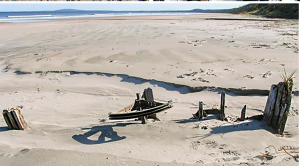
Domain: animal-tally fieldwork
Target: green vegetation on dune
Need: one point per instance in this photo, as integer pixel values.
(289, 11)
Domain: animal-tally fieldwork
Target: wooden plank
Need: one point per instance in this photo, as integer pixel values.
(200, 111)
(12, 121)
(6, 118)
(15, 113)
(243, 113)
(25, 125)
(277, 106)
(282, 122)
(270, 105)
(222, 107)
(150, 94)
(282, 106)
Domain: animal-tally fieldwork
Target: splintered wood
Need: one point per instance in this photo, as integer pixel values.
(14, 119)
(278, 105)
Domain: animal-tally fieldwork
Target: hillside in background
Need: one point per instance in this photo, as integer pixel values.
(290, 11)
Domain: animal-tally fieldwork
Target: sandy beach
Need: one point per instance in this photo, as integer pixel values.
(67, 75)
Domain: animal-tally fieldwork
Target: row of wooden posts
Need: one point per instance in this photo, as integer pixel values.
(275, 113)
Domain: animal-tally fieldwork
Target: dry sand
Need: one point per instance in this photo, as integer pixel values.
(68, 75)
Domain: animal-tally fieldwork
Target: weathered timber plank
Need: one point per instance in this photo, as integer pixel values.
(270, 105)
(282, 122)
(12, 121)
(7, 120)
(16, 113)
(277, 106)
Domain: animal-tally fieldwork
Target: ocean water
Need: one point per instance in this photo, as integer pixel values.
(39, 16)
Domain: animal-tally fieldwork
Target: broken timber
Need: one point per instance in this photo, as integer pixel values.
(14, 119)
(278, 105)
(203, 113)
(144, 107)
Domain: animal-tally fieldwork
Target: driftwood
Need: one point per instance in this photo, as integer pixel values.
(278, 105)
(14, 119)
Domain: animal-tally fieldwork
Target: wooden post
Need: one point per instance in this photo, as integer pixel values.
(277, 105)
(222, 108)
(200, 111)
(138, 96)
(270, 105)
(143, 120)
(243, 113)
(283, 115)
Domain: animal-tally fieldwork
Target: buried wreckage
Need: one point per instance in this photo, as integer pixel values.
(144, 107)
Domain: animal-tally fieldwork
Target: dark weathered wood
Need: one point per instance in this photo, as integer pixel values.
(277, 105)
(284, 115)
(138, 96)
(222, 107)
(143, 119)
(12, 121)
(150, 94)
(243, 113)
(200, 111)
(270, 105)
(6, 118)
(211, 111)
(153, 116)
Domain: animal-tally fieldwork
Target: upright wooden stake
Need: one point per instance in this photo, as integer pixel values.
(222, 109)
(243, 113)
(200, 112)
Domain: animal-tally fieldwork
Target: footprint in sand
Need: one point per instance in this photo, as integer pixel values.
(248, 76)
(267, 74)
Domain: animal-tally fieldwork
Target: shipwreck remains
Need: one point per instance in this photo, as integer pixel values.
(143, 108)
(278, 105)
(203, 113)
(14, 119)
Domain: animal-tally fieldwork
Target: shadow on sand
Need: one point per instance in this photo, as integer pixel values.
(107, 134)
(210, 117)
(248, 125)
(2, 129)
